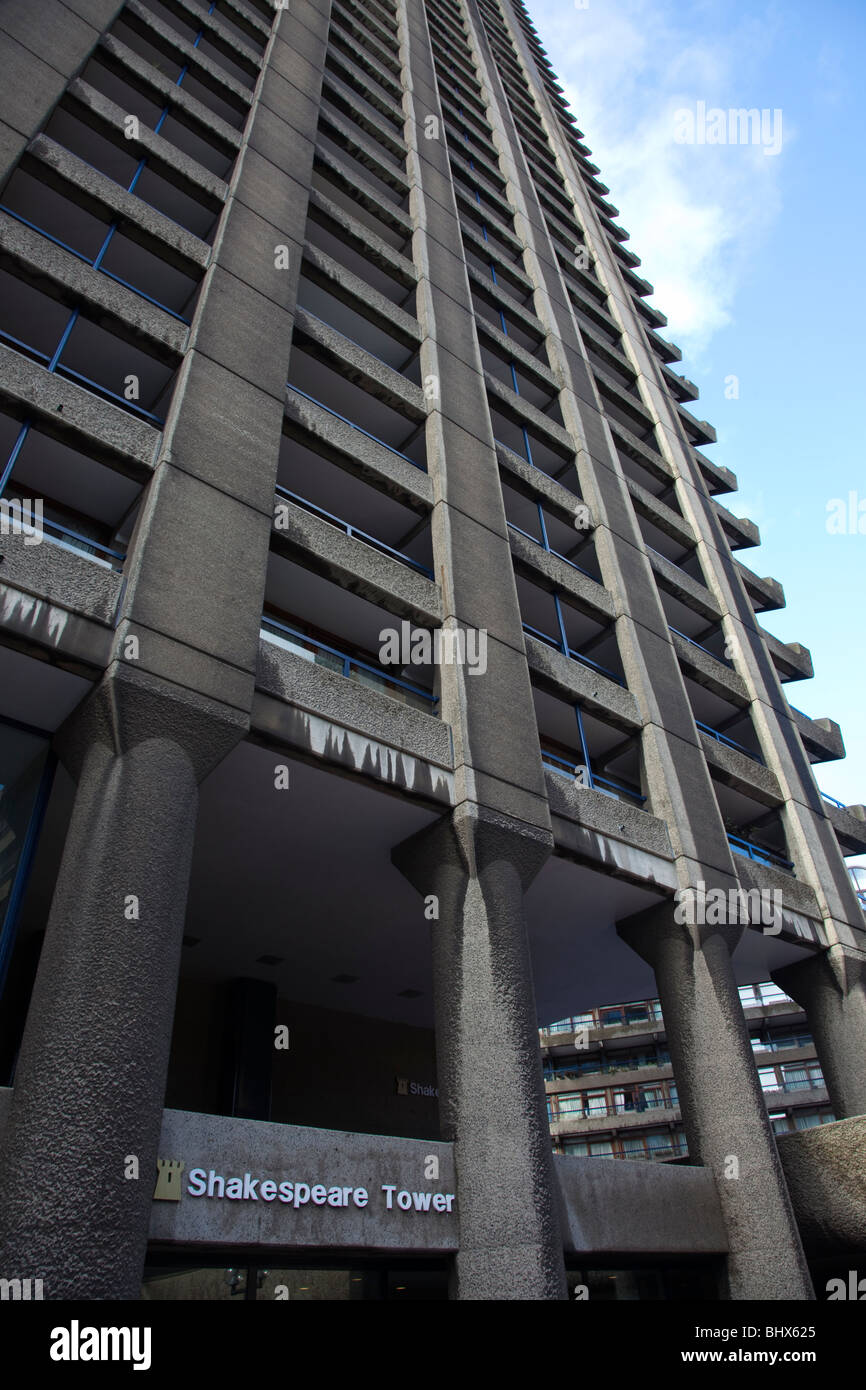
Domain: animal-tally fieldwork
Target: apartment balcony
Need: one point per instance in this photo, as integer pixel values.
(355, 193)
(849, 823)
(698, 431)
(358, 386)
(682, 388)
(822, 738)
(766, 595)
(536, 560)
(537, 488)
(716, 476)
(348, 555)
(741, 532)
(689, 606)
(668, 352)
(624, 1120)
(739, 768)
(792, 661)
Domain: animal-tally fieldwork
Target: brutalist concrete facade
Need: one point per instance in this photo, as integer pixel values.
(313, 310)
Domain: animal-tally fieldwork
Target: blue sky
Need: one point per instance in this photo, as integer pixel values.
(757, 280)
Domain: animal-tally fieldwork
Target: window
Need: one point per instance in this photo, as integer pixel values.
(596, 1103)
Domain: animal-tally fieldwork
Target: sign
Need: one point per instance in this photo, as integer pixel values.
(209, 1183)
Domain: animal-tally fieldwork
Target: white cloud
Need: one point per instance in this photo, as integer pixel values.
(696, 213)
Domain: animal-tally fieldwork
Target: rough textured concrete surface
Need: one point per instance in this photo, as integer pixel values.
(726, 1124)
(491, 1097)
(825, 1169)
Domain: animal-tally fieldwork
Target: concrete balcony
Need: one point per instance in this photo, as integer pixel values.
(73, 178)
(161, 36)
(698, 431)
(353, 563)
(553, 572)
(708, 671)
(849, 823)
(575, 683)
(822, 738)
(672, 523)
(642, 453)
(672, 579)
(317, 712)
(716, 476)
(740, 532)
(792, 661)
(682, 388)
(668, 352)
(767, 595)
(64, 409)
(737, 770)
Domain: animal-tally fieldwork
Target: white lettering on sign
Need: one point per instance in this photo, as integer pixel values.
(420, 1201)
(210, 1183)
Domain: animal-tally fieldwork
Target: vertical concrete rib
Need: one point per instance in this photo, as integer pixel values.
(483, 858)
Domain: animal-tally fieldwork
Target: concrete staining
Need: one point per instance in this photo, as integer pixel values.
(33, 614)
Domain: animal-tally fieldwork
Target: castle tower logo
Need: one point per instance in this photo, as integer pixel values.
(168, 1184)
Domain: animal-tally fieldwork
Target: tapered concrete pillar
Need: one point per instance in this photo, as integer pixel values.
(831, 987)
(79, 1153)
(724, 1114)
(491, 1094)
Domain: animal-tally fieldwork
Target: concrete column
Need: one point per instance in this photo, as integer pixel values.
(491, 1094)
(831, 987)
(724, 1114)
(79, 1154)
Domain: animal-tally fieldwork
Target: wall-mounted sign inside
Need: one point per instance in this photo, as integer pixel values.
(405, 1087)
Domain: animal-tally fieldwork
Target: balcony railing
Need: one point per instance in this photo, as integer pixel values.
(570, 652)
(352, 530)
(700, 646)
(833, 801)
(760, 854)
(550, 551)
(573, 1071)
(84, 545)
(731, 743)
(337, 416)
(608, 785)
(786, 1087)
(638, 1011)
(94, 262)
(52, 363)
(614, 1108)
(335, 660)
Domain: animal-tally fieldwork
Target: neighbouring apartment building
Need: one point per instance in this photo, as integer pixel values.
(611, 1090)
(379, 679)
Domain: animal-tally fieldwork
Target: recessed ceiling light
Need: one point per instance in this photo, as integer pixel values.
(344, 979)
(410, 994)
(269, 960)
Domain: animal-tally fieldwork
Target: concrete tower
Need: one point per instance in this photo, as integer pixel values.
(375, 666)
